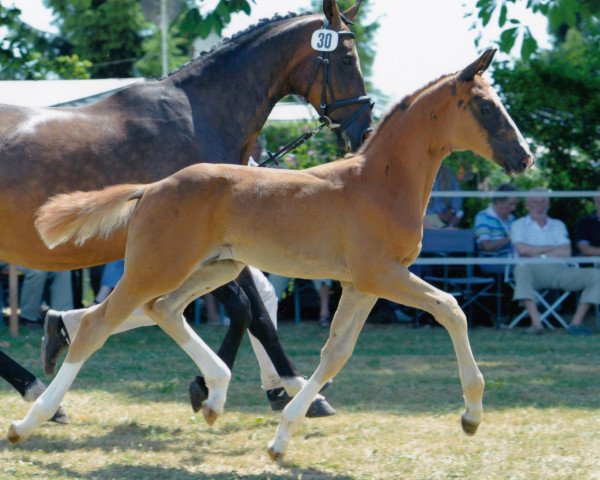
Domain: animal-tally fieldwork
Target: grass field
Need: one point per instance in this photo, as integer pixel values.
(398, 402)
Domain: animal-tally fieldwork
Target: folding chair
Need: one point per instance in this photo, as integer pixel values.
(467, 287)
(549, 306)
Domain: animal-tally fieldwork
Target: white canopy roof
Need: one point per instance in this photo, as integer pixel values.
(46, 93)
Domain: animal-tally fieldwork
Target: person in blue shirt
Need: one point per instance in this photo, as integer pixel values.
(492, 228)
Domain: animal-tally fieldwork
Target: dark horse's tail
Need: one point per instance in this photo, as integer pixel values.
(81, 215)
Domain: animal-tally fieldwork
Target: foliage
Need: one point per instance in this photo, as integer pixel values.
(561, 14)
(27, 54)
(108, 33)
(555, 100)
(195, 24)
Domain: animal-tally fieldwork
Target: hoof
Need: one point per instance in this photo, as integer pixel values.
(320, 408)
(468, 427)
(275, 456)
(198, 393)
(60, 417)
(13, 437)
(209, 415)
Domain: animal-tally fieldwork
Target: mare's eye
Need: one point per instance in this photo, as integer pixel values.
(348, 60)
(486, 107)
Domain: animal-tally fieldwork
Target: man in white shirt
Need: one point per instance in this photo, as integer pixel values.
(538, 235)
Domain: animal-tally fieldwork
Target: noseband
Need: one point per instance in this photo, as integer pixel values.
(325, 109)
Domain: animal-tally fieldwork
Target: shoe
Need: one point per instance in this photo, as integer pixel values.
(533, 331)
(198, 393)
(54, 341)
(325, 321)
(31, 324)
(579, 330)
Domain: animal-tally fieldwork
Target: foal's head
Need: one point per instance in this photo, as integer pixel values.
(484, 125)
(331, 79)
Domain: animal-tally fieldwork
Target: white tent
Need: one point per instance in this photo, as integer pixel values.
(46, 93)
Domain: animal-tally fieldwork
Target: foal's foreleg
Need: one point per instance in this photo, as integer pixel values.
(167, 312)
(399, 285)
(349, 318)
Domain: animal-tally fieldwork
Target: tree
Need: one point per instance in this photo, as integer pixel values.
(555, 99)
(28, 54)
(561, 14)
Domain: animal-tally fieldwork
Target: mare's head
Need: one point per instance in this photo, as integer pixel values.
(330, 77)
(483, 124)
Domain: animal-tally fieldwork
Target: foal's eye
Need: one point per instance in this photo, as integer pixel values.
(348, 60)
(486, 107)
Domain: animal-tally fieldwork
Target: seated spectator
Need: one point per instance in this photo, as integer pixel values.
(32, 295)
(538, 235)
(492, 228)
(587, 232)
(444, 212)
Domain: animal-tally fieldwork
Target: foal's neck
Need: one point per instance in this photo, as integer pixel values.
(411, 143)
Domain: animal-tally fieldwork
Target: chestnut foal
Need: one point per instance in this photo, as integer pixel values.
(357, 220)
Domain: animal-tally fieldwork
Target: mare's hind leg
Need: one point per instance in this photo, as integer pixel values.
(397, 284)
(96, 326)
(349, 318)
(167, 312)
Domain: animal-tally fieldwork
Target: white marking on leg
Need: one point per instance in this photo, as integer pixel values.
(49, 401)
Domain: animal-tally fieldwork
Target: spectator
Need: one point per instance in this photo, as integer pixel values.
(111, 274)
(444, 212)
(492, 228)
(587, 232)
(323, 288)
(32, 295)
(538, 235)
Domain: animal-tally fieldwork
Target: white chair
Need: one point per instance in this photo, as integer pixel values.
(549, 307)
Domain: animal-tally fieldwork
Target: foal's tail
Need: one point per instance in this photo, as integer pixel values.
(81, 215)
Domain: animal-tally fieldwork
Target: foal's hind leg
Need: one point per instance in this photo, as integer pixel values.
(349, 318)
(96, 326)
(167, 312)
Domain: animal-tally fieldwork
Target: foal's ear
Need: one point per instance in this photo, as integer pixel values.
(351, 13)
(332, 13)
(478, 66)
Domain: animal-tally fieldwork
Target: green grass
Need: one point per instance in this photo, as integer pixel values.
(398, 402)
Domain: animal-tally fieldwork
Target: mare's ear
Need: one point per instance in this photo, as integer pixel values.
(478, 66)
(332, 13)
(351, 13)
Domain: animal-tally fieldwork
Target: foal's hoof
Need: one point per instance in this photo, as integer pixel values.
(275, 456)
(209, 415)
(468, 427)
(13, 437)
(198, 393)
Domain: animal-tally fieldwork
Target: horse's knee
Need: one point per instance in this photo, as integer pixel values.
(333, 357)
(448, 313)
(161, 308)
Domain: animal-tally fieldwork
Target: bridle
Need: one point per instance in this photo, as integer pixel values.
(325, 108)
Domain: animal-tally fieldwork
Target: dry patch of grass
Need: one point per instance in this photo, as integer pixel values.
(398, 403)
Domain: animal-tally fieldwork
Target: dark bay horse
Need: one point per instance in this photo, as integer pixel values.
(210, 110)
(358, 220)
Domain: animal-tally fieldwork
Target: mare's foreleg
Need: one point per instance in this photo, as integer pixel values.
(348, 320)
(167, 312)
(96, 326)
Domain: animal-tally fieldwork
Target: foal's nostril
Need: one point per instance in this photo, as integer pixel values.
(527, 162)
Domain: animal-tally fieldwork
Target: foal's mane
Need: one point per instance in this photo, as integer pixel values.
(403, 105)
(235, 38)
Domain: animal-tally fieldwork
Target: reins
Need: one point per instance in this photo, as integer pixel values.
(325, 109)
